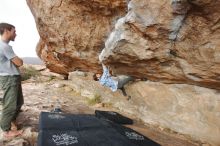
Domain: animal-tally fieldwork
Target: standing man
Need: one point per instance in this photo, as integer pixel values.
(10, 81)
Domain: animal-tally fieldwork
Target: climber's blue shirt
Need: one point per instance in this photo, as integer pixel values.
(107, 81)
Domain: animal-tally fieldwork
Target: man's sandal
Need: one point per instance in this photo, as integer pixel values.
(11, 134)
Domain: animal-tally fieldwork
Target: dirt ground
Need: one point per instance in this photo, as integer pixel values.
(44, 94)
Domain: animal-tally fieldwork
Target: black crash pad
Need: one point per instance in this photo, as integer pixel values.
(113, 116)
(60, 121)
(86, 130)
(133, 136)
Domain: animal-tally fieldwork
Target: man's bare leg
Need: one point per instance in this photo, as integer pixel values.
(14, 126)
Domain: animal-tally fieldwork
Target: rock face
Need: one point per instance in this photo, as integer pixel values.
(171, 41)
(73, 31)
(187, 109)
(174, 41)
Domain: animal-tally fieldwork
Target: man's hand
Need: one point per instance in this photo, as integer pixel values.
(17, 61)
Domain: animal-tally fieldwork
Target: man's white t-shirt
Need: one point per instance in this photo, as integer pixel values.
(7, 67)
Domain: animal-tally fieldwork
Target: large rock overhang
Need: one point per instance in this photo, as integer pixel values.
(170, 41)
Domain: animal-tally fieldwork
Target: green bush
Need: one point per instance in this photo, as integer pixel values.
(95, 100)
(28, 71)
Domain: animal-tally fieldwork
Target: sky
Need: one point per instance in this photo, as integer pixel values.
(17, 13)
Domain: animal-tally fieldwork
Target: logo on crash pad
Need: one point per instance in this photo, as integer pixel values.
(112, 113)
(134, 136)
(64, 139)
(56, 116)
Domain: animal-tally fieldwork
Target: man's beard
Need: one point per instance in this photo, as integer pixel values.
(12, 39)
